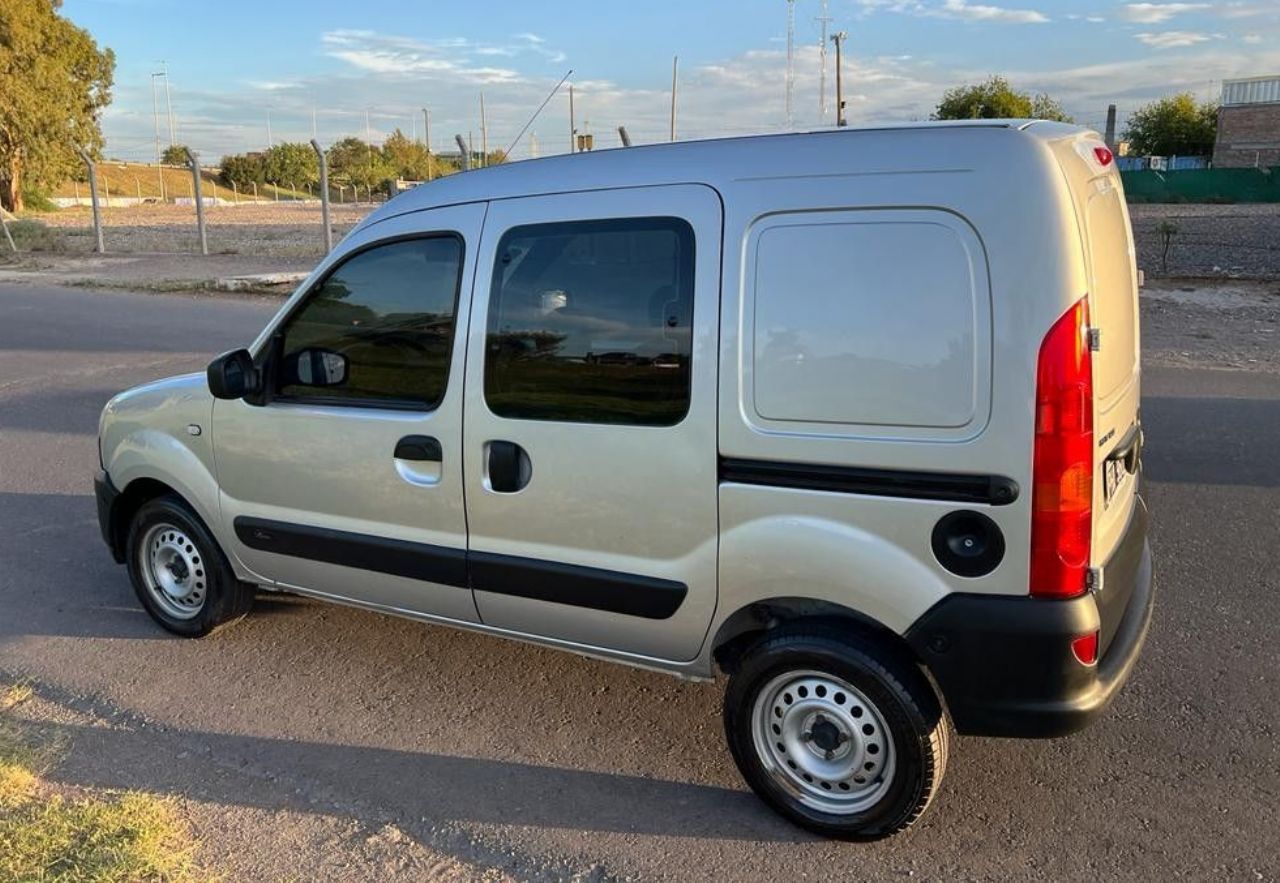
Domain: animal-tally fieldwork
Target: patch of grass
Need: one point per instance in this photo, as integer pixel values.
(128, 837)
(29, 235)
(15, 695)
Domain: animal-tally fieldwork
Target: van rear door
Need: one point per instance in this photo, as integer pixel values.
(1108, 252)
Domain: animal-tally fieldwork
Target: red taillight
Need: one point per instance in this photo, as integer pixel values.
(1062, 471)
(1103, 155)
(1085, 648)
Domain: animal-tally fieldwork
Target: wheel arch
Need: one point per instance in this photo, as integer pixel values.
(746, 625)
(131, 498)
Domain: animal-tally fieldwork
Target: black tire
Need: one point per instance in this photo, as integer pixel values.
(225, 599)
(902, 696)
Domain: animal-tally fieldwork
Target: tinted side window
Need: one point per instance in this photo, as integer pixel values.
(591, 322)
(388, 312)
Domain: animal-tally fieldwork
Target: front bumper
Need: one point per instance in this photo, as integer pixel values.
(1005, 666)
(106, 494)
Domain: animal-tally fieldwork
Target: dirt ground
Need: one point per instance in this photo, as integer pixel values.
(283, 229)
(1206, 323)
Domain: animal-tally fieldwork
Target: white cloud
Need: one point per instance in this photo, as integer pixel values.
(1154, 13)
(1171, 39)
(983, 12)
(1253, 39)
(957, 9)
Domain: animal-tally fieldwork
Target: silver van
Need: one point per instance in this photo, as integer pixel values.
(850, 416)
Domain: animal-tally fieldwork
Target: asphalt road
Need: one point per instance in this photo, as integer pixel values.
(549, 765)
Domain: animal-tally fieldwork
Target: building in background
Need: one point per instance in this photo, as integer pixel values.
(1249, 124)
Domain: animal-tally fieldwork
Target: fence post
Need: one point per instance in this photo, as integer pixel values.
(324, 196)
(195, 185)
(93, 196)
(7, 235)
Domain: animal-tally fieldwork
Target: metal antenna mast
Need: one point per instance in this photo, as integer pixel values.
(791, 41)
(823, 20)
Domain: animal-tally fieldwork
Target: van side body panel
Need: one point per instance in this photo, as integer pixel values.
(1004, 195)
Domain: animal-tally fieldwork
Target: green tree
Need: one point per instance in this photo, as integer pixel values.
(1173, 126)
(291, 164)
(242, 170)
(1043, 107)
(997, 100)
(174, 155)
(993, 100)
(405, 158)
(54, 82)
(352, 161)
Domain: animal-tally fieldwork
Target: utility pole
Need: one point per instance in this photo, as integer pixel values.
(368, 138)
(426, 136)
(533, 145)
(675, 61)
(484, 135)
(838, 38)
(270, 143)
(791, 40)
(168, 101)
(573, 127)
(155, 113)
(823, 20)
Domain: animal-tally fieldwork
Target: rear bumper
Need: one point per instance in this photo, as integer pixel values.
(106, 494)
(1005, 666)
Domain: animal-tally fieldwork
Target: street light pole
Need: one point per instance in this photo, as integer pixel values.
(155, 114)
(838, 38)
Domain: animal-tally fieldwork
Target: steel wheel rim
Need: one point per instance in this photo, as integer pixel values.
(823, 742)
(173, 571)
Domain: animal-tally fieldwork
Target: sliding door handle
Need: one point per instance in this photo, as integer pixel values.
(420, 448)
(507, 467)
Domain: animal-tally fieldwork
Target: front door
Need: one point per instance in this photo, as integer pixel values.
(590, 420)
(347, 482)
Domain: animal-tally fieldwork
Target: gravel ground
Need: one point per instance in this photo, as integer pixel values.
(1232, 241)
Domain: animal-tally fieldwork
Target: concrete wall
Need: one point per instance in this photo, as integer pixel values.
(1248, 136)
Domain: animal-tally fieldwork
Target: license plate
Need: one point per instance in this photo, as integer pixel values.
(1114, 475)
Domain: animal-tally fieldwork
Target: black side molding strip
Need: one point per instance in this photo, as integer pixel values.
(437, 564)
(994, 490)
(590, 587)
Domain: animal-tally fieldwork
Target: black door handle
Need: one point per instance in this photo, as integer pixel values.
(509, 467)
(424, 448)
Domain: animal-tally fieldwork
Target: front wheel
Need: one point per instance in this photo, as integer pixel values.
(839, 735)
(178, 571)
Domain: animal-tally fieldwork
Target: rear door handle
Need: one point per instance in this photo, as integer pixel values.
(420, 448)
(507, 466)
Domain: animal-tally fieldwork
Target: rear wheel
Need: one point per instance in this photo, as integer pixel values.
(179, 573)
(837, 734)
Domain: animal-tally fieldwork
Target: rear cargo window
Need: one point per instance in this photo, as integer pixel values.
(867, 318)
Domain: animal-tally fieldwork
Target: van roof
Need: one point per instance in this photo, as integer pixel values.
(712, 160)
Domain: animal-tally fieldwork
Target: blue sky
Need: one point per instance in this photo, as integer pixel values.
(231, 63)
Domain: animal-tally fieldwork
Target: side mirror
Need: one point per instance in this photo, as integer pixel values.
(233, 375)
(315, 367)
